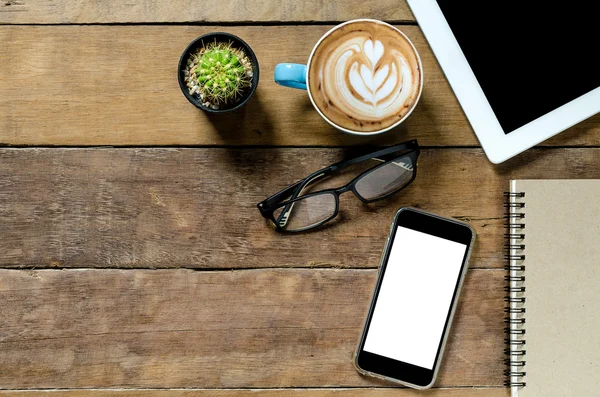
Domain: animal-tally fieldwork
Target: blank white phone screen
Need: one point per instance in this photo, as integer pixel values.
(415, 297)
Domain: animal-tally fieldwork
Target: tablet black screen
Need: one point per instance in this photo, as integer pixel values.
(528, 60)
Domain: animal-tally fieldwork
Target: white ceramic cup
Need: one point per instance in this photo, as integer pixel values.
(297, 75)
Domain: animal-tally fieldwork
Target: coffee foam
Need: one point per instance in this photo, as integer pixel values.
(364, 76)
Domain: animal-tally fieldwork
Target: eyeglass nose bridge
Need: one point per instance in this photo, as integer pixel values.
(343, 189)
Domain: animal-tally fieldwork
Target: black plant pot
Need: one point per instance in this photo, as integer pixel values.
(219, 37)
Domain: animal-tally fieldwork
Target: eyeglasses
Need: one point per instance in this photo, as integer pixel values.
(290, 211)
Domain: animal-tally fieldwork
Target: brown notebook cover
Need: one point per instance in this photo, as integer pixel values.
(554, 345)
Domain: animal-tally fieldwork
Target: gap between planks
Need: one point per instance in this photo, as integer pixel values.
(275, 392)
(209, 23)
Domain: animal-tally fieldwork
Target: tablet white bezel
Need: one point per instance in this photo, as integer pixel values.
(497, 145)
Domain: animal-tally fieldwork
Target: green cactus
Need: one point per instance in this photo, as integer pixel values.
(222, 73)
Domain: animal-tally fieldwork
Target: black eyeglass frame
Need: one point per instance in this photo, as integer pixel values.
(268, 206)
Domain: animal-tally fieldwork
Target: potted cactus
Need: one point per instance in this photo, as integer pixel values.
(218, 72)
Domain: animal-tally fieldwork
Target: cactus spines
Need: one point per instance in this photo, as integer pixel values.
(218, 73)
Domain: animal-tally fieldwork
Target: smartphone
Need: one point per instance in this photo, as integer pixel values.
(420, 277)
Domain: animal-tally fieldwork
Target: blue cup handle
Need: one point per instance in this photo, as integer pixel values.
(291, 75)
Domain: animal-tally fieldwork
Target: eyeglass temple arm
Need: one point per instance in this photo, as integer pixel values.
(385, 158)
(384, 154)
(277, 197)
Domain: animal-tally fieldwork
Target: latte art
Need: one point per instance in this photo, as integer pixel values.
(365, 76)
(366, 83)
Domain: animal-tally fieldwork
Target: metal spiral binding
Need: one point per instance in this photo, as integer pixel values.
(515, 289)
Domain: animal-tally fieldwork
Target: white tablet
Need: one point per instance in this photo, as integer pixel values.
(520, 75)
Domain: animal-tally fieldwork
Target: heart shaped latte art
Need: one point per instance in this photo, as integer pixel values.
(367, 82)
(373, 80)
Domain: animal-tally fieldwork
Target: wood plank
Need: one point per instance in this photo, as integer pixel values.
(117, 85)
(197, 207)
(466, 392)
(140, 11)
(219, 329)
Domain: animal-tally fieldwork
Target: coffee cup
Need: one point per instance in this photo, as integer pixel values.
(364, 77)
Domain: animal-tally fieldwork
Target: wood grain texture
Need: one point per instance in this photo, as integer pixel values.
(117, 85)
(378, 392)
(196, 208)
(139, 11)
(236, 329)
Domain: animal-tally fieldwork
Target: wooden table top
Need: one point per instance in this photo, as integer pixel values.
(132, 255)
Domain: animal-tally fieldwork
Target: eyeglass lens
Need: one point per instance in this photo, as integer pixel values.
(386, 179)
(306, 212)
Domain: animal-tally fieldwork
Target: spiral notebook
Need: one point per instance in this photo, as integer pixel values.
(553, 288)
